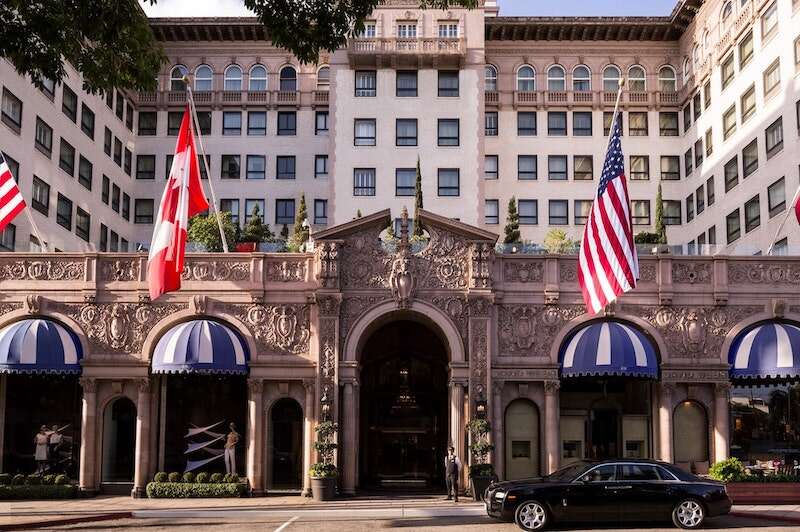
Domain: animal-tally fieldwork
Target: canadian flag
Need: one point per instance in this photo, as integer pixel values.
(183, 197)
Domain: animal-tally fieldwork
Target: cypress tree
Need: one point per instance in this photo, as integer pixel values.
(661, 231)
(512, 223)
(417, 202)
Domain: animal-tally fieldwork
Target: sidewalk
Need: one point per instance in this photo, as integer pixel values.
(781, 512)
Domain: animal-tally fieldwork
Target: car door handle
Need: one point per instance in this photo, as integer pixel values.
(618, 487)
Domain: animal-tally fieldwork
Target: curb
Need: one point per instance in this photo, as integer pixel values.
(32, 525)
(768, 517)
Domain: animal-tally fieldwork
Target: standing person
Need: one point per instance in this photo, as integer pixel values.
(41, 441)
(230, 449)
(452, 467)
(54, 442)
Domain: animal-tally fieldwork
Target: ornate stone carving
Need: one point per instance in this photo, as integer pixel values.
(198, 304)
(480, 306)
(568, 271)
(89, 384)
(694, 375)
(216, 270)
(119, 270)
(328, 253)
(365, 264)
(43, 270)
(692, 272)
(763, 272)
(722, 390)
(327, 364)
(402, 279)
(144, 385)
(482, 260)
(287, 271)
(33, 303)
(255, 386)
(647, 271)
(551, 387)
(479, 350)
(526, 374)
(444, 262)
(5, 308)
(328, 305)
(456, 307)
(277, 328)
(354, 306)
(517, 328)
(523, 271)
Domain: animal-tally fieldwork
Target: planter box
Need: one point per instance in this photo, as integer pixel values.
(180, 490)
(323, 489)
(764, 492)
(479, 485)
(23, 492)
(245, 247)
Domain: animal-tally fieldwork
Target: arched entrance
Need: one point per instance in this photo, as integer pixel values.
(286, 422)
(522, 440)
(403, 407)
(119, 441)
(691, 453)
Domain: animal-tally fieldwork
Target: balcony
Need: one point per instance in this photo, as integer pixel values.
(404, 51)
(590, 99)
(491, 98)
(321, 98)
(743, 21)
(218, 99)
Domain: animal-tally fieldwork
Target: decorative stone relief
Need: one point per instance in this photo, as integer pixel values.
(482, 260)
(530, 330)
(402, 279)
(282, 329)
(763, 273)
(694, 375)
(526, 374)
(364, 264)
(5, 308)
(89, 384)
(523, 271)
(328, 254)
(42, 270)
(119, 270)
(33, 303)
(480, 307)
(444, 261)
(216, 271)
(479, 351)
(287, 271)
(352, 307)
(456, 307)
(568, 271)
(692, 272)
(255, 386)
(647, 271)
(328, 305)
(327, 364)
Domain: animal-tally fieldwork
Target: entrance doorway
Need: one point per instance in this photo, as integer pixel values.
(286, 422)
(522, 440)
(403, 412)
(603, 434)
(119, 441)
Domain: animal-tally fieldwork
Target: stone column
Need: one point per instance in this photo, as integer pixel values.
(255, 435)
(457, 423)
(552, 428)
(142, 457)
(308, 433)
(86, 475)
(498, 455)
(665, 422)
(721, 421)
(349, 438)
(3, 386)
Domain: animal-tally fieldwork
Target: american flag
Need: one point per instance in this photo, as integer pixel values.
(11, 200)
(608, 265)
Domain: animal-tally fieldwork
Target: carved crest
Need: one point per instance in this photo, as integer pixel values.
(401, 279)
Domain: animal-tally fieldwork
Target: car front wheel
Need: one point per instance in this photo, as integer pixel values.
(531, 516)
(689, 514)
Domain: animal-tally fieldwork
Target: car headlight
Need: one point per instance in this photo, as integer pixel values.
(500, 495)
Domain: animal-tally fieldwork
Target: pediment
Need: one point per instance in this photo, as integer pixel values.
(448, 225)
(379, 220)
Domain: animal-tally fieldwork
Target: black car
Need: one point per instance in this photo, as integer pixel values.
(609, 490)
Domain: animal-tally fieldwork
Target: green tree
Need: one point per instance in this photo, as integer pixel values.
(204, 230)
(256, 230)
(390, 236)
(417, 233)
(512, 223)
(301, 233)
(556, 241)
(285, 232)
(358, 213)
(661, 231)
(109, 41)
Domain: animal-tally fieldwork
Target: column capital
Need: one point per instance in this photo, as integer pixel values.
(497, 387)
(309, 384)
(255, 386)
(463, 382)
(722, 390)
(144, 384)
(551, 387)
(668, 388)
(89, 384)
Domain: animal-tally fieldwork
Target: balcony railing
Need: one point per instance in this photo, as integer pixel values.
(410, 46)
(321, 97)
(491, 97)
(587, 98)
(236, 98)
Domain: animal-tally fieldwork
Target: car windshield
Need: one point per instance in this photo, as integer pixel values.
(569, 472)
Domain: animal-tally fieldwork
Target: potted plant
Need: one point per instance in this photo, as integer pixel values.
(481, 472)
(254, 232)
(323, 473)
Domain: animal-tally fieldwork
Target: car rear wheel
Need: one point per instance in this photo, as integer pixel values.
(689, 514)
(531, 516)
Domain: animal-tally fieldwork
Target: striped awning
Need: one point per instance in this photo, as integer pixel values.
(608, 348)
(39, 346)
(200, 346)
(768, 350)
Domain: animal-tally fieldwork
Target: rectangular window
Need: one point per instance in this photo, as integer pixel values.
(406, 84)
(129, 117)
(712, 235)
(145, 167)
(257, 123)
(143, 211)
(774, 137)
(491, 212)
(286, 167)
(368, 32)
(769, 22)
(491, 167)
(126, 206)
(582, 123)
(407, 30)
(253, 208)
(405, 181)
(148, 123)
(48, 88)
(700, 199)
(781, 247)
(490, 124)
(640, 167)
(776, 195)
(750, 158)
(672, 212)
(128, 166)
(557, 123)
(83, 224)
(527, 167)
(687, 117)
(707, 94)
(607, 117)
(120, 108)
(320, 211)
(752, 214)
(364, 132)
(118, 152)
(733, 226)
(105, 192)
(581, 209)
(668, 124)
(557, 167)
(772, 78)
(69, 103)
(406, 132)
(688, 162)
(746, 50)
(670, 167)
(231, 206)
(321, 123)
(710, 191)
(448, 83)
(641, 212)
(113, 242)
(366, 83)
(66, 157)
(40, 200)
(232, 123)
(103, 238)
(85, 172)
(110, 99)
(448, 181)
(526, 123)
(637, 124)
(729, 122)
(364, 182)
(11, 110)
(731, 173)
(698, 153)
(230, 167)
(559, 212)
(284, 211)
(205, 166)
(528, 212)
(174, 119)
(287, 123)
(8, 237)
(256, 167)
(107, 142)
(204, 120)
(64, 212)
(115, 193)
(698, 107)
(448, 132)
(727, 71)
(448, 30)
(689, 208)
(709, 142)
(748, 103)
(582, 167)
(320, 166)
(44, 137)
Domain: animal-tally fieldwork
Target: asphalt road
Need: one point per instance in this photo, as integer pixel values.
(322, 523)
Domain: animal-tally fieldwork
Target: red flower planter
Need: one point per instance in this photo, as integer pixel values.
(246, 247)
(764, 492)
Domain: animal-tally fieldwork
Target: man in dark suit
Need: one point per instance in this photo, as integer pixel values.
(452, 468)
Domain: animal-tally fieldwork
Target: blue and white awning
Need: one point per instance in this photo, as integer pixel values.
(39, 346)
(608, 348)
(766, 350)
(200, 346)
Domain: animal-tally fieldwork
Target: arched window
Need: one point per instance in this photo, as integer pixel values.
(203, 78)
(611, 77)
(696, 55)
(324, 78)
(526, 79)
(258, 78)
(233, 78)
(288, 79)
(666, 79)
(727, 16)
(637, 81)
(176, 82)
(706, 43)
(490, 76)
(556, 78)
(581, 79)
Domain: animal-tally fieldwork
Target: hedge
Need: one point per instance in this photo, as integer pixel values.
(181, 490)
(41, 491)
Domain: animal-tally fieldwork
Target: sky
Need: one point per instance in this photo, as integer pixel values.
(566, 8)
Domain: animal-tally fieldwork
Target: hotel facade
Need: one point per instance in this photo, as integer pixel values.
(492, 107)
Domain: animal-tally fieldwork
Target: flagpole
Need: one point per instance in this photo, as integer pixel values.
(35, 229)
(783, 222)
(196, 122)
(616, 109)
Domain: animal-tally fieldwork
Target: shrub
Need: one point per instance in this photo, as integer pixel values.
(230, 478)
(202, 478)
(33, 480)
(49, 480)
(320, 470)
(61, 480)
(174, 477)
(161, 476)
(729, 470)
(20, 491)
(481, 470)
(157, 490)
(188, 478)
(216, 478)
(18, 480)
(5, 479)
